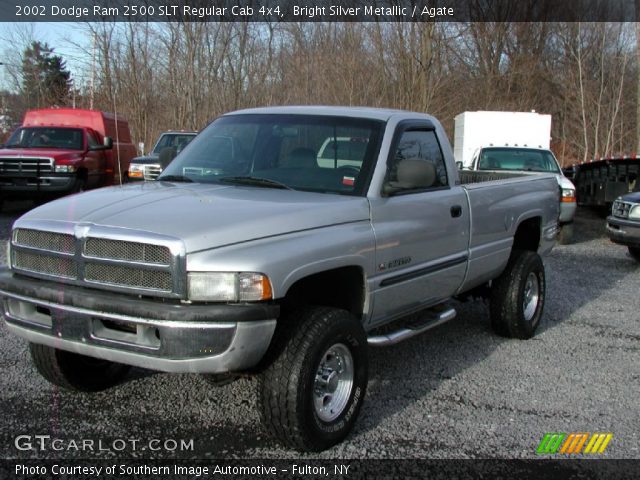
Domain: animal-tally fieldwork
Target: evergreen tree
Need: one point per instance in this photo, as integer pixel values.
(45, 79)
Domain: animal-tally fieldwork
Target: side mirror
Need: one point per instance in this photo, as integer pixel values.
(459, 165)
(107, 144)
(412, 174)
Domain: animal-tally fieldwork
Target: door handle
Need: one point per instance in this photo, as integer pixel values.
(456, 211)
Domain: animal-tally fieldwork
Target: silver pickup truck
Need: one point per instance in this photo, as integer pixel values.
(270, 262)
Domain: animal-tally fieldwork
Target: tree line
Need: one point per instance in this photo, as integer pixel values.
(164, 76)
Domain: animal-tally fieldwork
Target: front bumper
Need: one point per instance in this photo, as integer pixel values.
(567, 212)
(26, 185)
(624, 232)
(151, 334)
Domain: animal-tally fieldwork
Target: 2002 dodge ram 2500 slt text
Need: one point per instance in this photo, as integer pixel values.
(272, 262)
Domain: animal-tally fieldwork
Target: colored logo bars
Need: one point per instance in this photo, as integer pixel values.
(573, 443)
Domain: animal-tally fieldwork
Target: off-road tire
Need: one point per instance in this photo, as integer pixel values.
(517, 296)
(295, 399)
(635, 253)
(76, 372)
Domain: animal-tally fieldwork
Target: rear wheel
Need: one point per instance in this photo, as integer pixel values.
(635, 253)
(517, 296)
(311, 394)
(76, 372)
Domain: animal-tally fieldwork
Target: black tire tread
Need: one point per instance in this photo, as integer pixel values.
(278, 392)
(62, 368)
(505, 302)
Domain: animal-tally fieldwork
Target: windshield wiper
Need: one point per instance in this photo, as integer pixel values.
(257, 181)
(175, 178)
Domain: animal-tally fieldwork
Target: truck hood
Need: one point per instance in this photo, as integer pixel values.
(54, 153)
(632, 197)
(203, 216)
(150, 158)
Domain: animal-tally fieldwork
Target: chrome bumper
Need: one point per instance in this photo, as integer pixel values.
(170, 338)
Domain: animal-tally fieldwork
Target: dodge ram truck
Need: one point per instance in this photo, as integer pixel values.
(58, 151)
(277, 262)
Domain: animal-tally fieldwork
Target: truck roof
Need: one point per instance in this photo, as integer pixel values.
(106, 124)
(383, 114)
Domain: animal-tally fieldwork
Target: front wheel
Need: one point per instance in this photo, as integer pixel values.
(76, 372)
(517, 296)
(311, 393)
(635, 253)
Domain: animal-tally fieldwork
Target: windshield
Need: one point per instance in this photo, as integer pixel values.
(177, 140)
(527, 159)
(47, 137)
(282, 151)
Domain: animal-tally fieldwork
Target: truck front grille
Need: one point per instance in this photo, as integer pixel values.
(131, 277)
(151, 172)
(42, 263)
(98, 261)
(621, 209)
(123, 250)
(56, 242)
(34, 165)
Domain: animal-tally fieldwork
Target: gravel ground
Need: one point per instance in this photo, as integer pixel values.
(458, 391)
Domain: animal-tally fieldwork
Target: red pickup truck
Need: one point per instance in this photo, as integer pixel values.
(61, 151)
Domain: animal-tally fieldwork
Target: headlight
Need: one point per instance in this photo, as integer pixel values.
(228, 287)
(634, 212)
(65, 169)
(136, 171)
(568, 195)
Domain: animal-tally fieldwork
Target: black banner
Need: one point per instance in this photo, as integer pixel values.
(316, 469)
(317, 11)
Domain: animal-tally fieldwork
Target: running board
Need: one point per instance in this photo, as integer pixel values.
(433, 317)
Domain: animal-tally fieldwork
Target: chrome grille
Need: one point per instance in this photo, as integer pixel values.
(151, 172)
(56, 242)
(132, 277)
(621, 209)
(123, 250)
(42, 263)
(26, 165)
(101, 261)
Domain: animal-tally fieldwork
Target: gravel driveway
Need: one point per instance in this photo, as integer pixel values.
(457, 391)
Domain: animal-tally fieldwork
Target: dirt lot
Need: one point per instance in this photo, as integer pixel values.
(458, 391)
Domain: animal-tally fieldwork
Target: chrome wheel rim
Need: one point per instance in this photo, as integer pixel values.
(333, 383)
(531, 296)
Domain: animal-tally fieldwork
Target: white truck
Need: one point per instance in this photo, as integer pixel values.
(513, 141)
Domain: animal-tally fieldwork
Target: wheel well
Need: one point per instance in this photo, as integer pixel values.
(527, 235)
(82, 174)
(340, 288)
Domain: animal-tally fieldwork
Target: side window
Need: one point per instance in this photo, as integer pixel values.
(91, 140)
(407, 170)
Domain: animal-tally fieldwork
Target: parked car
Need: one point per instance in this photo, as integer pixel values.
(623, 225)
(61, 151)
(168, 145)
(263, 261)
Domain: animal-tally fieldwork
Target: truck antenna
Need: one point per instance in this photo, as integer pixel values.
(115, 112)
